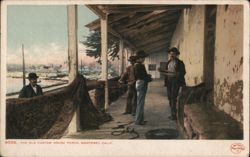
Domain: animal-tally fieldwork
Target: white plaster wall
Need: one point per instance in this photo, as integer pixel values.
(189, 38)
(229, 60)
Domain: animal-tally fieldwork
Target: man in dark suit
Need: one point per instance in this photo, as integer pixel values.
(174, 78)
(31, 90)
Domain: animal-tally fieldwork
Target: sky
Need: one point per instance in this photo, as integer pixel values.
(43, 31)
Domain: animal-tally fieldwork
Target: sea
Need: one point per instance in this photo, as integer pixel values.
(14, 85)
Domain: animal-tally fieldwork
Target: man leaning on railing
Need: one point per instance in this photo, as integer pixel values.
(31, 90)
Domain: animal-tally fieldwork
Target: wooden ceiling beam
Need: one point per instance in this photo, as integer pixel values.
(96, 10)
(136, 31)
(116, 17)
(154, 45)
(95, 25)
(133, 20)
(153, 40)
(152, 32)
(99, 12)
(144, 21)
(115, 33)
(147, 19)
(161, 30)
(140, 8)
(151, 26)
(158, 45)
(163, 49)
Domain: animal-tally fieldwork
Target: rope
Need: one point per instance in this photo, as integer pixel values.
(125, 129)
(121, 126)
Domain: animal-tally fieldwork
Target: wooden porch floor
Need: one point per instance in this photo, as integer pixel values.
(156, 114)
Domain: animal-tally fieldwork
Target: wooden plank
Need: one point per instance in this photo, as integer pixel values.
(146, 28)
(158, 50)
(136, 38)
(149, 33)
(116, 17)
(118, 35)
(115, 33)
(154, 45)
(96, 10)
(135, 31)
(134, 20)
(95, 25)
(140, 8)
(158, 23)
(160, 30)
(146, 20)
(218, 126)
(135, 6)
(157, 38)
(145, 25)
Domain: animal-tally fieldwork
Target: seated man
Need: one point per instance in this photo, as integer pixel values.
(31, 90)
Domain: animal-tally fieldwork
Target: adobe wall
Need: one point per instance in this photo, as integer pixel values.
(228, 87)
(189, 38)
(228, 58)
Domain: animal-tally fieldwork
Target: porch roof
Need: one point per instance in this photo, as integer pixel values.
(142, 27)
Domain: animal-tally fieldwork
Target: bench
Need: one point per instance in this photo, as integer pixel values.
(200, 119)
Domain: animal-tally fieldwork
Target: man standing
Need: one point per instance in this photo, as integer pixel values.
(31, 90)
(141, 78)
(174, 78)
(130, 78)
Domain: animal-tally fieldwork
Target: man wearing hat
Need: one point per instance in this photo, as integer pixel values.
(31, 90)
(174, 78)
(142, 79)
(130, 78)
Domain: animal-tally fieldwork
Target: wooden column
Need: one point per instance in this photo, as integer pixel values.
(72, 42)
(73, 58)
(104, 56)
(125, 58)
(121, 52)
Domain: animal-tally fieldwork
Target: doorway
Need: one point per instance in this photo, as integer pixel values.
(162, 66)
(209, 46)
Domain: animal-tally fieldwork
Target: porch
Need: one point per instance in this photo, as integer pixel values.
(156, 113)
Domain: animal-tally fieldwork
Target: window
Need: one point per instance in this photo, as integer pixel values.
(152, 67)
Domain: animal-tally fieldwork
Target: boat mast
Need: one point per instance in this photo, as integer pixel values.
(24, 82)
(81, 67)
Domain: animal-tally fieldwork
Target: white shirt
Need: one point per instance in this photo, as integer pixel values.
(172, 66)
(34, 88)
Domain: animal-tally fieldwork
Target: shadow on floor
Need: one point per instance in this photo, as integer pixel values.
(156, 113)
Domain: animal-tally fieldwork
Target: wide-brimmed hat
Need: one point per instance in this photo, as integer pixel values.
(132, 58)
(141, 54)
(32, 76)
(175, 50)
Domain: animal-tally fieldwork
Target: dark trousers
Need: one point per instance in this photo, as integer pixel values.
(172, 91)
(131, 100)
